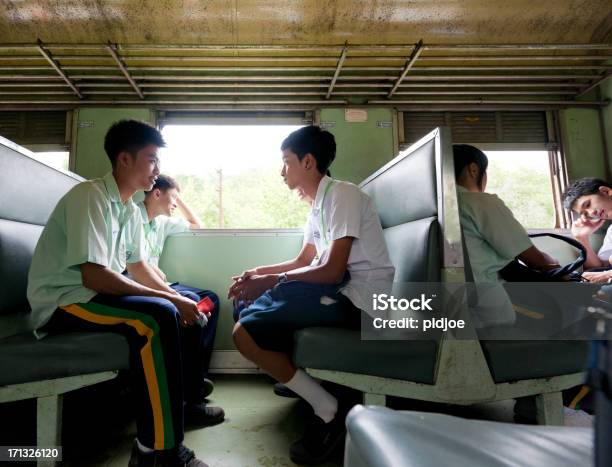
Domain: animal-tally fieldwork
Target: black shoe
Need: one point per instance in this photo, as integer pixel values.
(200, 415)
(281, 390)
(207, 388)
(320, 440)
(180, 457)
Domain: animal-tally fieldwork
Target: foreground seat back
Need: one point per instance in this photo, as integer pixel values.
(417, 204)
(29, 191)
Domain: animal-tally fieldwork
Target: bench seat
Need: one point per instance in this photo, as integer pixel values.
(343, 350)
(24, 359)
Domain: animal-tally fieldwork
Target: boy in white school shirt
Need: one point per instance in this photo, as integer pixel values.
(344, 251)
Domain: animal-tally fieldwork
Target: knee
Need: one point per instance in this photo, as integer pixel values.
(236, 334)
(241, 337)
(165, 312)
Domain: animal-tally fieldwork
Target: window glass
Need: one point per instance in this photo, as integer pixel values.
(230, 174)
(523, 180)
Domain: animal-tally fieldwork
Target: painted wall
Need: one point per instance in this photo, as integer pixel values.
(361, 147)
(90, 160)
(606, 93)
(209, 261)
(584, 149)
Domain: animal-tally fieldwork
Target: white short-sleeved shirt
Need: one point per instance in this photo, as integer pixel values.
(606, 247)
(90, 224)
(346, 211)
(493, 238)
(156, 232)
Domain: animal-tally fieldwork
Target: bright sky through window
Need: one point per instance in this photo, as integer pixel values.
(522, 180)
(195, 149)
(230, 174)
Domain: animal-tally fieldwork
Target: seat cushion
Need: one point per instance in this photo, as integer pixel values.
(516, 360)
(343, 350)
(381, 437)
(24, 359)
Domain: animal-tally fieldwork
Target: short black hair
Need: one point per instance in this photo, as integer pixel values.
(312, 140)
(130, 136)
(583, 187)
(464, 155)
(164, 183)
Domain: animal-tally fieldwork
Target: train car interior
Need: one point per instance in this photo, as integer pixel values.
(222, 225)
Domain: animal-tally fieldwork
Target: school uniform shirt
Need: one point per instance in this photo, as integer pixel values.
(493, 238)
(156, 232)
(606, 247)
(90, 224)
(343, 210)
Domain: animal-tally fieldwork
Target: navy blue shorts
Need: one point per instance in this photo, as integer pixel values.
(278, 313)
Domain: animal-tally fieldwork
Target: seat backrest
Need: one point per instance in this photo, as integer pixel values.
(28, 193)
(417, 204)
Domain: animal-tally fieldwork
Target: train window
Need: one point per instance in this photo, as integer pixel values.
(230, 175)
(522, 179)
(56, 159)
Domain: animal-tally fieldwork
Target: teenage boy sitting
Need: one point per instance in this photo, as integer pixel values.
(197, 342)
(344, 251)
(493, 236)
(591, 199)
(75, 283)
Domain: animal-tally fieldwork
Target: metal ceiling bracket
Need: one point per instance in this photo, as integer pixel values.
(338, 68)
(418, 48)
(112, 49)
(45, 53)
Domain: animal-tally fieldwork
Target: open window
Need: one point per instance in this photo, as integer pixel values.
(46, 134)
(526, 168)
(228, 168)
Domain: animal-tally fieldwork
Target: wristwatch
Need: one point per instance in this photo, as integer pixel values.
(282, 278)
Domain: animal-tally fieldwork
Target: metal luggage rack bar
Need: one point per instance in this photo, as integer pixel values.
(546, 75)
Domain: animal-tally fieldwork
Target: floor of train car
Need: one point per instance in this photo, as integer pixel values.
(98, 428)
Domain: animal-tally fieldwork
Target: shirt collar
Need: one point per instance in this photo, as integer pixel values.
(111, 188)
(321, 192)
(145, 215)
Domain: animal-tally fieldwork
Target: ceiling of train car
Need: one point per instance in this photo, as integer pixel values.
(305, 21)
(309, 52)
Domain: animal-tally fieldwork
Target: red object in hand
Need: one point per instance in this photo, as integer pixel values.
(206, 306)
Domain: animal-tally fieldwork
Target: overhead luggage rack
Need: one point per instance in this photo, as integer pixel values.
(213, 76)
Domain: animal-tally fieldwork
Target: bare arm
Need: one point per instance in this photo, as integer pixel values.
(537, 259)
(192, 218)
(330, 272)
(582, 229)
(146, 275)
(105, 281)
(304, 258)
(158, 271)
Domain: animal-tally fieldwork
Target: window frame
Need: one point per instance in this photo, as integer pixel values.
(247, 118)
(556, 160)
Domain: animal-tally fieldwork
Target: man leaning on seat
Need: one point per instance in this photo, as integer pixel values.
(75, 283)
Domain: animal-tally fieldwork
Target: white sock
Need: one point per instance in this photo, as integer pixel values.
(323, 403)
(142, 448)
